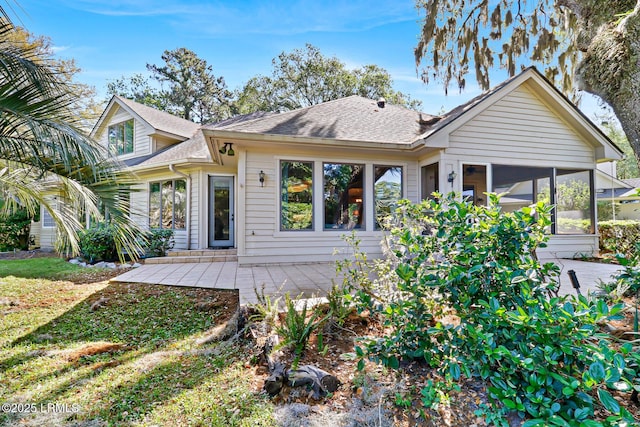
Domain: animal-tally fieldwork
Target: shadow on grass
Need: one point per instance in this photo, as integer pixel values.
(130, 322)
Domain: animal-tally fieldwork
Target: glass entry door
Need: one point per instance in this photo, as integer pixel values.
(221, 215)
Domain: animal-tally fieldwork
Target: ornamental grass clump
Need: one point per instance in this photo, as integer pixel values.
(539, 354)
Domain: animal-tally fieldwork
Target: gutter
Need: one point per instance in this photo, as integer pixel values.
(173, 169)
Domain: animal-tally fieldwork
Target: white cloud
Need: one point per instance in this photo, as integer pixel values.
(57, 49)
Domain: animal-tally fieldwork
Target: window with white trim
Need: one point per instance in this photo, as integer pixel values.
(168, 204)
(121, 137)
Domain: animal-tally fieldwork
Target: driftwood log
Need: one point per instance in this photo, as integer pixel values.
(317, 380)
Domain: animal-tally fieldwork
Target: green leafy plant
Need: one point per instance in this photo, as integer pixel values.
(296, 327)
(15, 226)
(540, 355)
(266, 308)
(323, 348)
(98, 244)
(339, 306)
(159, 241)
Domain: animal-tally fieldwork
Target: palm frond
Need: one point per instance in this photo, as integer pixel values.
(46, 159)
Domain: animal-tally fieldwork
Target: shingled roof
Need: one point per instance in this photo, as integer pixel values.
(161, 120)
(193, 149)
(348, 119)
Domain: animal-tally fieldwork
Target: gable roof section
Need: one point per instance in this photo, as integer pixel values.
(160, 121)
(347, 119)
(547, 93)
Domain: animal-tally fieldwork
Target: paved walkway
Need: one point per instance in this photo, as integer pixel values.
(308, 279)
(589, 274)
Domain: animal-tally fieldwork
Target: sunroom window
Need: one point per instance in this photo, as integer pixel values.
(296, 195)
(121, 138)
(574, 208)
(570, 191)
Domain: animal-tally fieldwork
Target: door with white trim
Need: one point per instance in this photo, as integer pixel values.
(221, 212)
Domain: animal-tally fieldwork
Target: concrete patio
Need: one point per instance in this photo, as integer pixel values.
(309, 279)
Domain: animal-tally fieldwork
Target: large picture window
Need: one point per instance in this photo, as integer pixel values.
(168, 204)
(387, 190)
(121, 138)
(296, 195)
(343, 196)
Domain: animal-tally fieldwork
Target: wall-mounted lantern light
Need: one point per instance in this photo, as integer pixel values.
(261, 175)
(452, 176)
(229, 151)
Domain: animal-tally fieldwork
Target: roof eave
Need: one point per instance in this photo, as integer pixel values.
(320, 141)
(165, 164)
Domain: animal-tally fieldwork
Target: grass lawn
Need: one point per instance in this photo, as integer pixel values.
(131, 360)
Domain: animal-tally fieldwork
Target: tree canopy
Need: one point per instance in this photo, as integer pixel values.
(187, 87)
(84, 103)
(305, 77)
(591, 45)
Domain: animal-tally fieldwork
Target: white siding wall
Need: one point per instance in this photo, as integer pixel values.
(573, 246)
(629, 211)
(196, 182)
(141, 141)
(520, 130)
(36, 232)
(264, 242)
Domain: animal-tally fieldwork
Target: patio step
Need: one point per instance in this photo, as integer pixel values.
(193, 256)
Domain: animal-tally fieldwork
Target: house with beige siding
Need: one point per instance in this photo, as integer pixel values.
(286, 187)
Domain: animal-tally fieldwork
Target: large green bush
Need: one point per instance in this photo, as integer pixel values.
(619, 237)
(540, 355)
(98, 244)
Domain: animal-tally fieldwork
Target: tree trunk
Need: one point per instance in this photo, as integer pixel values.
(610, 69)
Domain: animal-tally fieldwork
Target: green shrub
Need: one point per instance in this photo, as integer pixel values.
(619, 237)
(15, 227)
(539, 355)
(159, 241)
(97, 244)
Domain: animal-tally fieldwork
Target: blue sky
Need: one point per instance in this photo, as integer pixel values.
(112, 38)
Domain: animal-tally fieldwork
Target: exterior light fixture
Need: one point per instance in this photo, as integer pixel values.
(261, 175)
(229, 151)
(452, 176)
